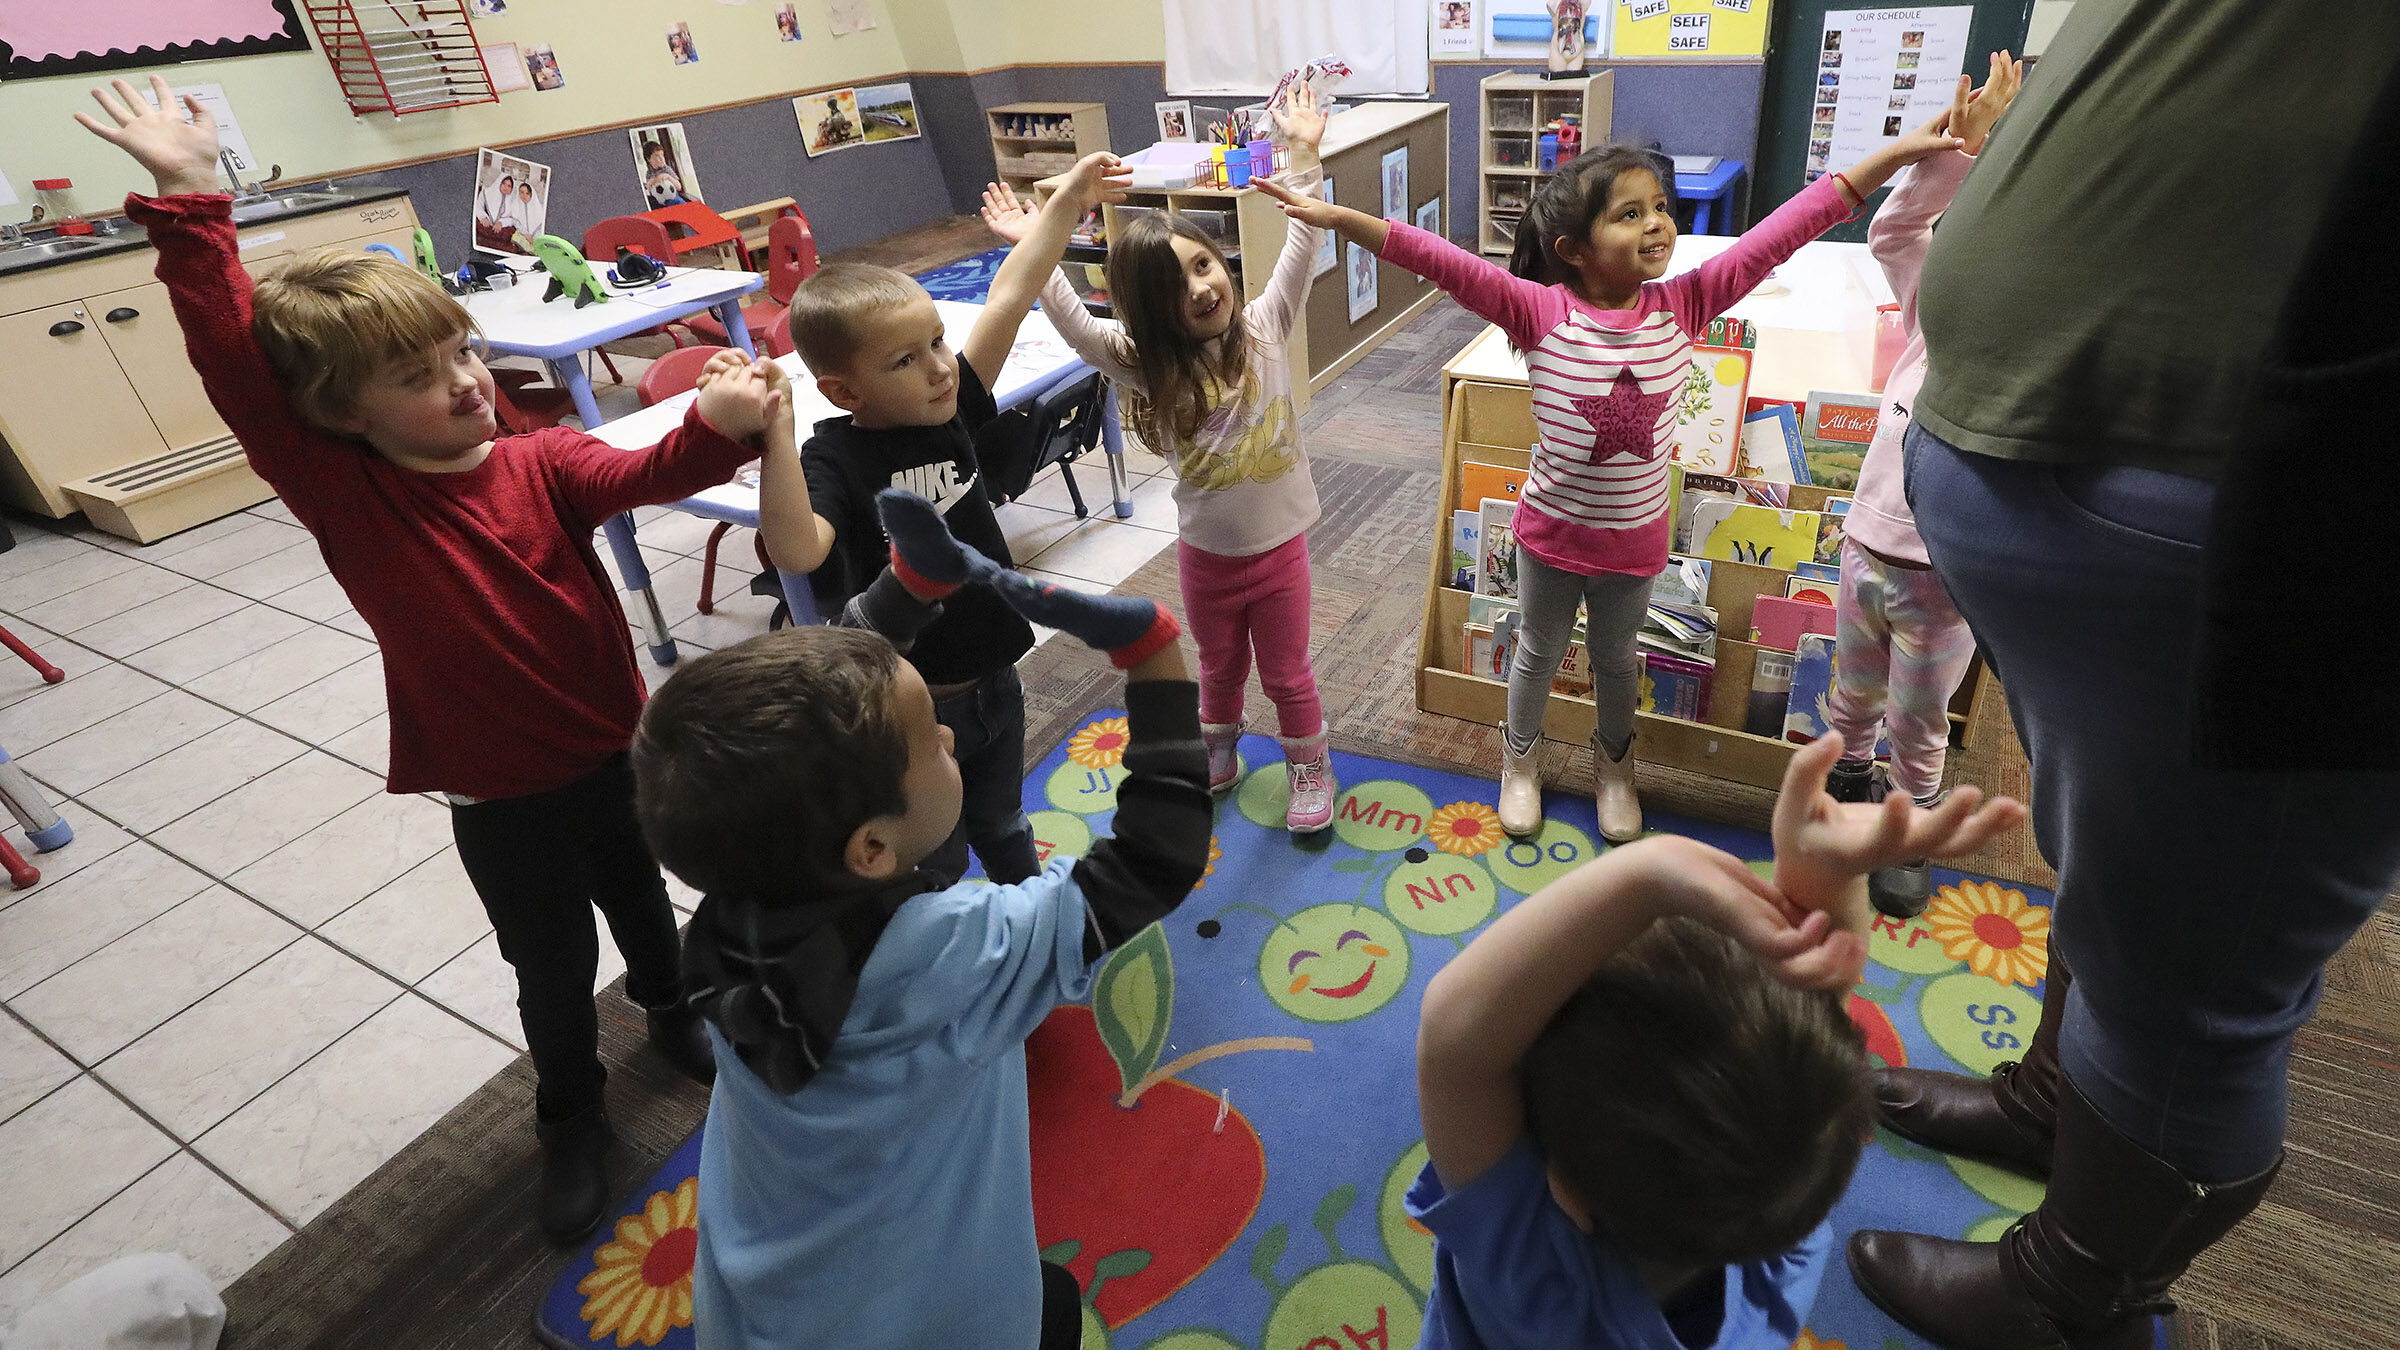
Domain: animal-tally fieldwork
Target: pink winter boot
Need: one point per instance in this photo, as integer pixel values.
(1311, 770)
(1224, 742)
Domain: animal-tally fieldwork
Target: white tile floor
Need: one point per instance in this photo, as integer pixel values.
(254, 976)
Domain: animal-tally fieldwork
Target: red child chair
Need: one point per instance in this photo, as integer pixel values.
(791, 259)
(18, 794)
(669, 375)
(642, 235)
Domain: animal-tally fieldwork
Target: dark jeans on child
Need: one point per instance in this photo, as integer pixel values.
(540, 864)
(987, 721)
(2196, 907)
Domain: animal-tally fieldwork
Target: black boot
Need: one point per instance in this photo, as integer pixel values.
(678, 1033)
(1858, 781)
(2086, 1271)
(2008, 1117)
(574, 1173)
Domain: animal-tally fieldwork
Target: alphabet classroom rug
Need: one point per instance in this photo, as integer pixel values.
(1222, 1139)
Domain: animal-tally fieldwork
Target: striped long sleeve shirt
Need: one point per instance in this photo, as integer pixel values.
(1607, 383)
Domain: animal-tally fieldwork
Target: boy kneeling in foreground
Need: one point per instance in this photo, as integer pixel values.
(866, 1174)
(1641, 1093)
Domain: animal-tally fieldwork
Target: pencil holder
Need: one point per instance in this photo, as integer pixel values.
(1237, 166)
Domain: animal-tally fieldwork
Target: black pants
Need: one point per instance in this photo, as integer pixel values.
(539, 865)
(1062, 1309)
(988, 724)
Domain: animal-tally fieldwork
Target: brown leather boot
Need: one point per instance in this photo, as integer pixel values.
(2086, 1271)
(2004, 1118)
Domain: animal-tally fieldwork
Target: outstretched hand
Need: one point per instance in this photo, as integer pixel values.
(1300, 119)
(1972, 114)
(1821, 845)
(175, 140)
(1307, 210)
(1007, 214)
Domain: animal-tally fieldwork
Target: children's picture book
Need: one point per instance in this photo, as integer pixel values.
(1708, 430)
(1815, 592)
(1675, 686)
(1494, 610)
(1465, 527)
(1742, 532)
(1496, 549)
(1683, 586)
(1829, 573)
(1478, 483)
(1835, 431)
(1808, 707)
(1834, 515)
(1778, 621)
(1481, 653)
(1771, 445)
(1488, 650)
(1770, 689)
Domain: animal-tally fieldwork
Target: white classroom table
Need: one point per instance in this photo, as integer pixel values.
(1039, 362)
(516, 321)
(1815, 316)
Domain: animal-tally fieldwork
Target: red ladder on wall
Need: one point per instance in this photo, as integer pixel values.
(402, 58)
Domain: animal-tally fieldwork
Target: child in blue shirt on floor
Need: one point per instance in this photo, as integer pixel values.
(1641, 1093)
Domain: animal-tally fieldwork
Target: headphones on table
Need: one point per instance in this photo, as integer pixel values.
(636, 269)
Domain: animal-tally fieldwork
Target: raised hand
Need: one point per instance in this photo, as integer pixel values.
(175, 141)
(1926, 141)
(1972, 115)
(1822, 845)
(1300, 120)
(1096, 178)
(1307, 210)
(1008, 215)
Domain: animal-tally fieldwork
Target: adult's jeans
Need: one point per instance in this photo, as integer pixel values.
(2197, 907)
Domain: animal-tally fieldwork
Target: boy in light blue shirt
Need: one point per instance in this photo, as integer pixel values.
(866, 1178)
(1641, 1093)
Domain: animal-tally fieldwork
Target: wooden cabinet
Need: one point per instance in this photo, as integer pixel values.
(107, 416)
(70, 409)
(1032, 141)
(1517, 109)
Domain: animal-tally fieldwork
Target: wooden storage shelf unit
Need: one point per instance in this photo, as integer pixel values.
(1515, 110)
(1493, 423)
(1019, 130)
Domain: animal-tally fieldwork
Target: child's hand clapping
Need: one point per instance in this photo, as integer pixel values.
(742, 398)
(1923, 143)
(1824, 848)
(175, 141)
(1972, 114)
(1300, 120)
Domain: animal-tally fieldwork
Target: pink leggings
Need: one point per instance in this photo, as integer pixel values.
(1236, 606)
(1900, 650)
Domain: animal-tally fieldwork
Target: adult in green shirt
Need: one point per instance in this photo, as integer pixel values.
(2155, 365)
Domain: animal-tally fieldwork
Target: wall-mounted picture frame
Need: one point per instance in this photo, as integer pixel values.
(1395, 184)
(1329, 244)
(1429, 216)
(1174, 119)
(1359, 280)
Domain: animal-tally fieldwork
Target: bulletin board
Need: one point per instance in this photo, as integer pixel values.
(1689, 28)
(69, 39)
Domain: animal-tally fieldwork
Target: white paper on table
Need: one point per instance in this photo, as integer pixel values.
(229, 129)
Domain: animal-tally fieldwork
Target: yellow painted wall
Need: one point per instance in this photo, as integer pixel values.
(614, 56)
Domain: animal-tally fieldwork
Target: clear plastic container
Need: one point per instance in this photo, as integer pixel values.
(58, 211)
(1512, 113)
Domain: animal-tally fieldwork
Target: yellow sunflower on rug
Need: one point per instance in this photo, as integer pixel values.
(1100, 745)
(640, 1287)
(1996, 931)
(1809, 1340)
(1466, 829)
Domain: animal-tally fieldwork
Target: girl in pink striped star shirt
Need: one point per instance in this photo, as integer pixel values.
(1607, 344)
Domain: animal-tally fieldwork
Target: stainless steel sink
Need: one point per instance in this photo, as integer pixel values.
(283, 203)
(20, 254)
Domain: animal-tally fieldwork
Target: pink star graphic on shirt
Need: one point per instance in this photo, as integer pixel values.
(1625, 420)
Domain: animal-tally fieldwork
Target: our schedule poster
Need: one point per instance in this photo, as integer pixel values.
(1881, 72)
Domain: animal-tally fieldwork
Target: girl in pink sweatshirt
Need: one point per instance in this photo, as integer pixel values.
(1900, 647)
(1607, 345)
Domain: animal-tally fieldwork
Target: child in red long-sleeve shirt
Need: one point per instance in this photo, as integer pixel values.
(358, 390)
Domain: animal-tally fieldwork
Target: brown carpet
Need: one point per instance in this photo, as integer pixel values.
(437, 1249)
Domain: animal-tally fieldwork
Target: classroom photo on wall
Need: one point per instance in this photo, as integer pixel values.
(512, 198)
(1429, 216)
(787, 21)
(1174, 120)
(662, 162)
(680, 44)
(1395, 184)
(489, 9)
(888, 112)
(542, 65)
(828, 120)
(1360, 278)
(1329, 244)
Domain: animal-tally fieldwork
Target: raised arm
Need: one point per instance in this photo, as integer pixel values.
(1525, 310)
(1902, 231)
(1278, 306)
(1100, 345)
(736, 406)
(190, 222)
(1097, 178)
(797, 538)
(1485, 1009)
